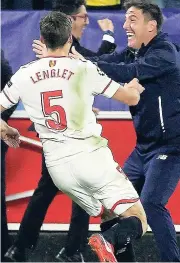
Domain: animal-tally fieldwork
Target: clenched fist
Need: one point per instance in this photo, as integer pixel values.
(106, 24)
(135, 85)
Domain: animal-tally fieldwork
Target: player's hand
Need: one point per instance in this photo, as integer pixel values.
(106, 24)
(10, 135)
(95, 110)
(39, 48)
(135, 85)
(75, 54)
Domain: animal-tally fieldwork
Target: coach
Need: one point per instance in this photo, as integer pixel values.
(154, 165)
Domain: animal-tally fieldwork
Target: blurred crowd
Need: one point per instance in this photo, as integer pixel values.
(97, 4)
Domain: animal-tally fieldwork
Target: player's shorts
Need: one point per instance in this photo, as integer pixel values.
(95, 181)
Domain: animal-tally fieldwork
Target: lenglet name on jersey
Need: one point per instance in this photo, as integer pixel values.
(51, 73)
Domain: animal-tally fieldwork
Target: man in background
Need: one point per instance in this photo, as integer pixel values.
(6, 73)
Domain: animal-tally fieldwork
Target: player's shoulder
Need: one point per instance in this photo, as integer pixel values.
(28, 65)
(24, 69)
(93, 68)
(78, 63)
(22, 72)
(87, 64)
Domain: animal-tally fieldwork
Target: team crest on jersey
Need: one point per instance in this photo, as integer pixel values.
(52, 63)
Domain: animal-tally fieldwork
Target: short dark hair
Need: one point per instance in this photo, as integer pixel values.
(69, 7)
(55, 29)
(148, 8)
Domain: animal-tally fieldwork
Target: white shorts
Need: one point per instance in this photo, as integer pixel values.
(95, 181)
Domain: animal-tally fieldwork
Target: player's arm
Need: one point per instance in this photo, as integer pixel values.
(9, 97)
(102, 84)
(129, 93)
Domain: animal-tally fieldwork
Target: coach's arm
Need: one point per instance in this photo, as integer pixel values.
(155, 63)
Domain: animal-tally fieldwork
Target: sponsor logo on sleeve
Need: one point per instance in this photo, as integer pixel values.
(9, 84)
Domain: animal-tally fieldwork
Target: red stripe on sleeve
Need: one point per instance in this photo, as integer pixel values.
(107, 86)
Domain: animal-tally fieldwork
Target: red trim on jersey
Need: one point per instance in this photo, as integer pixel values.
(120, 170)
(107, 86)
(118, 167)
(8, 97)
(124, 201)
(102, 211)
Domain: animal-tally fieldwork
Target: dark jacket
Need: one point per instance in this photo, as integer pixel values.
(105, 48)
(157, 116)
(6, 73)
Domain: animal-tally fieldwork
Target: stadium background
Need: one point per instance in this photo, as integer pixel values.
(19, 28)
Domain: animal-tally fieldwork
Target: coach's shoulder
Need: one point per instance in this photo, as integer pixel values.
(165, 50)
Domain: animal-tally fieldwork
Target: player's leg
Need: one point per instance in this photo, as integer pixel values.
(121, 198)
(75, 180)
(100, 185)
(162, 176)
(130, 225)
(133, 168)
(33, 217)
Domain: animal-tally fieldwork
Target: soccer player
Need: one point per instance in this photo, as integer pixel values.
(58, 99)
(46, 190)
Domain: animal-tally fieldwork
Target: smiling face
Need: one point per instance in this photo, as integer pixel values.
(139, 28)
(80, 21)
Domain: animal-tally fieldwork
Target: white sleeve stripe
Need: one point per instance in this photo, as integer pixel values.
(8, 97)
(107, 86)
(109, 38)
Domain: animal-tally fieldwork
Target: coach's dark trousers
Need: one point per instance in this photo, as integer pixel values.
(156, 175)
(37, 209)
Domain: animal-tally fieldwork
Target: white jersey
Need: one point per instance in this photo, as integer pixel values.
(58, 94)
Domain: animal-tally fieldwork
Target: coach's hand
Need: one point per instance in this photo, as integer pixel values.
(39, 48)
(106, 24)
(75, 54)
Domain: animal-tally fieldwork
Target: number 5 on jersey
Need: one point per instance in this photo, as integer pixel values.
(60, 123)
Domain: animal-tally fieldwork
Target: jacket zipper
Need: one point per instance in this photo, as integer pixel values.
(161, 114)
